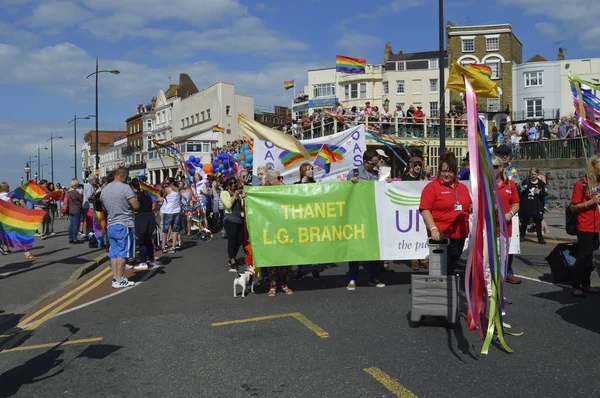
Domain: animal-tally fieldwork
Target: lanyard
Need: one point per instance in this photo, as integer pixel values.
(455, 193)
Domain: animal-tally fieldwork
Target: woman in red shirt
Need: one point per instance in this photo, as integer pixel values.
(584, 203)
(445, 206)
(509, 196)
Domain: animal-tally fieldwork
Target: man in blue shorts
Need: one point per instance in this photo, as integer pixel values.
(120, 202)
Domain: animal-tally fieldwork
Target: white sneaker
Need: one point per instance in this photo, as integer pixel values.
(121, 283)
(351, 285)
(141, 267)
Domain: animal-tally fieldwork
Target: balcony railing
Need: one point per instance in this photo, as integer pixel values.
(546, 114)
(569, 148)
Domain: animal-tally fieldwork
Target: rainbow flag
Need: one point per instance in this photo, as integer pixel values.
(350, 65)
(18, 225)
(289, 84)
(483, 69)
(290, 159)
(54, 195)
(327, 155)
(217, 129)
(100, 222)
(152, 193)
(31, 191)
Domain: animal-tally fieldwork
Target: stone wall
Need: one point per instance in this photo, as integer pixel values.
(562, 176)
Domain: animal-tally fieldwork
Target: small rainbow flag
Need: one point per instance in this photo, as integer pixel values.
(483, 69)
(350, 65)
(329, 154)
(18, 225)
(288, 84)
(217, 129)
(100, 221)
(152, 193)
(290, 159)
(31, 191)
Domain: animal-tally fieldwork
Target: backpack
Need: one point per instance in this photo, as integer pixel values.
(570, 217)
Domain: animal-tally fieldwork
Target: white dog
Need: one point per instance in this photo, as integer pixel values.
(244, 279)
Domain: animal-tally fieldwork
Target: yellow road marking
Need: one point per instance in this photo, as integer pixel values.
(15, 340)
(48, 345)
(64, 297)
(310, 325)
(396, 388)
(296, 315)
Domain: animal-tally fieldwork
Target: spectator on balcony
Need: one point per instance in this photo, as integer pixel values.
(339, 109)
(410, 113)
(368, 108)
(515, 138)
(544, 130)
(399, 113)
(573, 130)
(554, 130)
(452, 113)
(532, 132)
(385, 118)
(419, 115)
(563, 128)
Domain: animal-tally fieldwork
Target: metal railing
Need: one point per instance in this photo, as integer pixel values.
(550, 149)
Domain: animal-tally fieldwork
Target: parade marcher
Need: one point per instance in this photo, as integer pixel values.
(366, 171)
(120, 202)
(89, 194)
(445, 207)
(201, 190)
(4, 249)
(186, 205)
(52, 211)
(171, 215)
(584, 203)
(278, 274)
(145, 225)
(509, 195)
(307, 173)
(72, 206)
(532, 204)
(233, 202)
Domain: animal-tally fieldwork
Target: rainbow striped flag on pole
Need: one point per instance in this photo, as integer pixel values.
(218, 129)
(350, 65)
(288, 84)
(31, 191)
(18, 225)
(152, 193)
(483, 69)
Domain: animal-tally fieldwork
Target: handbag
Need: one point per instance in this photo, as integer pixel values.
(65, 205)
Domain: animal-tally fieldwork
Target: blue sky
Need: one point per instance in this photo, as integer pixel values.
(47, 47)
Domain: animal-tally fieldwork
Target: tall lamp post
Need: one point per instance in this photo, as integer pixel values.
(27, 171)
(39, 160)
(74, 121)
(22, 181)
(114, 72)
(442, 85)
(52, 138)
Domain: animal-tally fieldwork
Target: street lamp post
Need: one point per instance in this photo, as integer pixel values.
(35, 176)
(114, 72)
(52, 138)
(441, 86)
(74, 121)
(27, 171)
(22, 181)
(39, 160)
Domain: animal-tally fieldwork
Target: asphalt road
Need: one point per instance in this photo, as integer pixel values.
(158, 341)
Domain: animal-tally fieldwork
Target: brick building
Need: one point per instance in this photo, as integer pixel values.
(495, 46)
(278, 116)
(88, 150)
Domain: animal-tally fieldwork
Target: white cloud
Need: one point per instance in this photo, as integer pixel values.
(12, 35)
(357, 43)
(547, 28)
(57, 14)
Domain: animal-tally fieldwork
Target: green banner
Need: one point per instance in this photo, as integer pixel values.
(312, 223)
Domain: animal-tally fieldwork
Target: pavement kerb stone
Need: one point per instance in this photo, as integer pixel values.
(87, 268)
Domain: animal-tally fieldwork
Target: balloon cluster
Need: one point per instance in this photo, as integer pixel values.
(246, 157)
(223, 164)
(194, 165)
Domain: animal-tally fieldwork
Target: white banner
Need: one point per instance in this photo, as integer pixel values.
(402, 231)
(348, 145)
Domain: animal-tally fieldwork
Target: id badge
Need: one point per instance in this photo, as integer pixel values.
(242, 214)
(457, 207)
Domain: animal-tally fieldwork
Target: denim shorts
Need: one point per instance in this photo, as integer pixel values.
(171, 220)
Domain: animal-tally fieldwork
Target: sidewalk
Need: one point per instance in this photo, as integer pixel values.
(556, 228)
(23, 283)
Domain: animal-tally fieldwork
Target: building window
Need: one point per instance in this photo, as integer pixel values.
(495, 67)
(416, 86)
(533, 79)
(375, 68)
(149, 125)
(324, 90)
(208, 114)
(492, 43)
(468, 45)
(433, 85)
(493, 105)
(400, 65)
(194, 146)
(433, 64)
(228, 110)
(534, 108)
(399, 86)
(386, 88)
(467, 62)
(433, 109)
(228, 131)
(355, 90)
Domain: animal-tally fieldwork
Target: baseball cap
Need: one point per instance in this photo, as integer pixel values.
(502, 149)
(381, 153)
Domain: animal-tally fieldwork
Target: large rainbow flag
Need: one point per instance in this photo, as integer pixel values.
(289, 158)
(152, 193)
(31, 191)
(350, 65)
(18, 225)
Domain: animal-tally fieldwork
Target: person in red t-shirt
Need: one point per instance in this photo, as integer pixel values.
(584, 203)
(445, 206)
(509, 196)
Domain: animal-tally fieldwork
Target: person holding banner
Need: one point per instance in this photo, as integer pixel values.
(307, 172)
(445, 207)
(366, 171)
(281, 274)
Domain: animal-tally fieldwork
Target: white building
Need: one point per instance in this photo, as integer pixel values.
(536, 90)
(112, 157)
(188, 122)
(587, 69)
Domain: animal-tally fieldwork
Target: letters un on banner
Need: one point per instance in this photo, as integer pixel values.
(337, 222)
(349, 145)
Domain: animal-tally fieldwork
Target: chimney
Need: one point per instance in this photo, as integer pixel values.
(399, 52)
(153, 102)
(561, 54)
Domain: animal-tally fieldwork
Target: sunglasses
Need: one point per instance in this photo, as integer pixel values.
(417, 164)
(280, 178)
(496, 167)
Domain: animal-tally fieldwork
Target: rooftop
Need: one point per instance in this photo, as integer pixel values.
(416, 56)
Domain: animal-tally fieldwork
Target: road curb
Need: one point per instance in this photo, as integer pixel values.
(87, 268)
